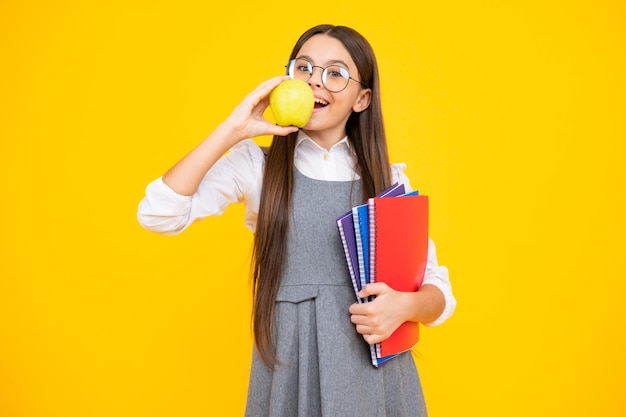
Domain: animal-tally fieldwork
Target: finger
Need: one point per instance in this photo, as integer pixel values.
(282, 131)
(358, 319)
(372, 338)
(363, 330)
(360, 309)
(267, 86)
(355, 308)
(367, 334)
(372, 289)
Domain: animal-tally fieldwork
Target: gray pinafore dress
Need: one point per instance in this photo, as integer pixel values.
(325, 369)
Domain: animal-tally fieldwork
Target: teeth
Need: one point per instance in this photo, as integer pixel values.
(320, 101)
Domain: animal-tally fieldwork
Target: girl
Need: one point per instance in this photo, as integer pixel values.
(309, 358)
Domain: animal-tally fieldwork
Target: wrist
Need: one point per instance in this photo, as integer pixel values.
(428, 304)
(228, 134)
(410, 306)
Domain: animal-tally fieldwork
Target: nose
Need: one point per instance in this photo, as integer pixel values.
(316, 76)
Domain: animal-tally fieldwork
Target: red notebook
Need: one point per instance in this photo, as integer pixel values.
(398, 249)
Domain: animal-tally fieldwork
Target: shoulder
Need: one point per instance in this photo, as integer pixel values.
(248, 148)
(248, 151)
(398, 175)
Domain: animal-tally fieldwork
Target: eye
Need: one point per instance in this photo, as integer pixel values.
(302, 68)
(337, 72)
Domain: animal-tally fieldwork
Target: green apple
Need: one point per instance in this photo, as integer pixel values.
(292, 103)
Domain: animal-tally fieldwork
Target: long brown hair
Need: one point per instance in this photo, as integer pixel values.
(366, 134)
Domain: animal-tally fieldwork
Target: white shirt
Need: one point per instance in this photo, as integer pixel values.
(237, 178)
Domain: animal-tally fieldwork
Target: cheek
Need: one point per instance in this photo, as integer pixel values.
(343, 109)
(346, 100)
(353, 98)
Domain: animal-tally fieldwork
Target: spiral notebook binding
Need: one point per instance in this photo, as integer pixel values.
(359, 246)
(351, 271)
(372, 238)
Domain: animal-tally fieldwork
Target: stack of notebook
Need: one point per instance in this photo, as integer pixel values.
(386, 240)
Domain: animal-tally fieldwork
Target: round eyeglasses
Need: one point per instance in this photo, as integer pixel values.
(335, 78)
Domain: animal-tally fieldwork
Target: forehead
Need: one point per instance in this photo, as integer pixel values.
(324, 50)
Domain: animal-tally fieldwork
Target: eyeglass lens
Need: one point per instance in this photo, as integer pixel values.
(334, 77)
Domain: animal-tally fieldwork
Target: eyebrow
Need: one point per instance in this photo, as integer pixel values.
(331, 62)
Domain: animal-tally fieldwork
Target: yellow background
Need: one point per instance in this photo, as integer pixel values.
(510, 115)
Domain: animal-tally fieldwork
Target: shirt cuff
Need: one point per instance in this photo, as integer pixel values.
(437, 279)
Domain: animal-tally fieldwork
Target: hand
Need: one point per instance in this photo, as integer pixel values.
(378, 319)
(247, 118)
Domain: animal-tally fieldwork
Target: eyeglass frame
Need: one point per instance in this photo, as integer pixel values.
(292, 62)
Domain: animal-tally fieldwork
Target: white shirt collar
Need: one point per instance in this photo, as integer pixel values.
(303, 137)
(334, 164)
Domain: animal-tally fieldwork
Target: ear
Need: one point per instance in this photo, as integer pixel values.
(363, 100)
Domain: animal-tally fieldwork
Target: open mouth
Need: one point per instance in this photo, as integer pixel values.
(319, 103)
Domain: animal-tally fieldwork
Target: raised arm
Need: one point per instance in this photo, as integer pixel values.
(246, 121)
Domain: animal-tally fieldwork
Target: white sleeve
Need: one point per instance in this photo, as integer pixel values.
(398, 175)
(235, 178)
(437, 275)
